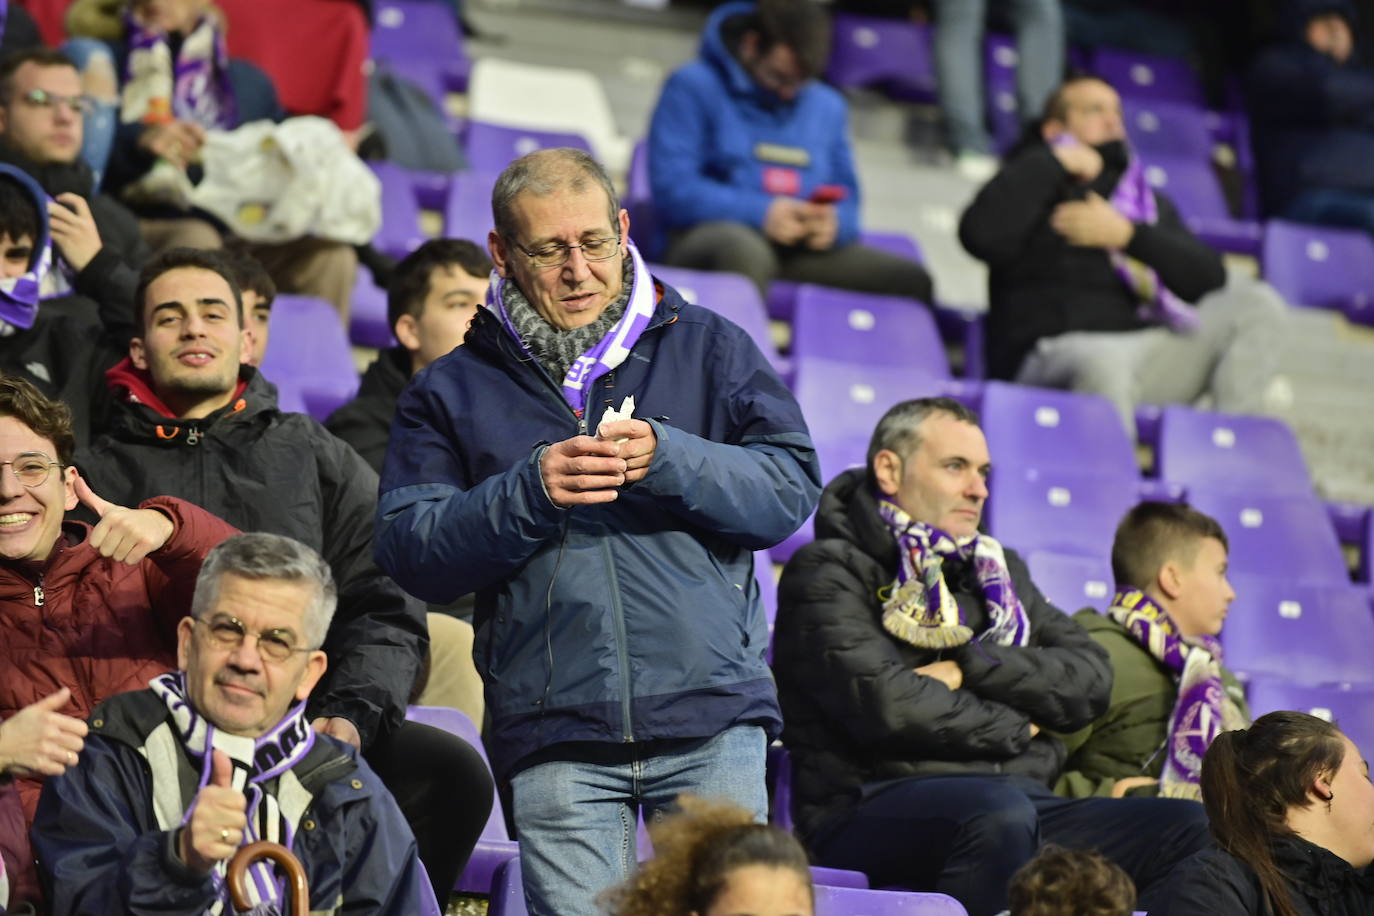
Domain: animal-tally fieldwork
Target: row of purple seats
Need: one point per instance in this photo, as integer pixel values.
(421, 41)
(308, 358)
(1351, 706)
(1321, 267)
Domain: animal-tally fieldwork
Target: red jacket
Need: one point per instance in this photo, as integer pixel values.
(100, 627)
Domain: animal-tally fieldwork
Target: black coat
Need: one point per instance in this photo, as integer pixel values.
(855, 712)
(1216, 883)
(261, 469)
(1041, 286)
(365, 421)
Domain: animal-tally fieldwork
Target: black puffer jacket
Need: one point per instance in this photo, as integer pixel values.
(855, 711)
(1216, 883)
(265, 470)
(365, 421)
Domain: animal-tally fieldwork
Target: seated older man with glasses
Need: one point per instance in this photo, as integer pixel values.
(87, 612)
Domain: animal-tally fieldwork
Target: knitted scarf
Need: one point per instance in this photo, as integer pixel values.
(257, 763)
(919, 608)
(193, 86)
(1202, 710)
(580, 356)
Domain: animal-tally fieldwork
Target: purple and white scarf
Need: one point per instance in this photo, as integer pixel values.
(919, 608)
(1203, 708)
(608, 352)
(193, 87)
(256, 762)
(47, 277)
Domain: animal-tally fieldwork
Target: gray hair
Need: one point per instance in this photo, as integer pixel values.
(899, 429)
(258, 555)
(545, 172)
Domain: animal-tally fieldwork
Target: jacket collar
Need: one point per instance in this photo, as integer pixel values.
(1318, 873)
(141, 414)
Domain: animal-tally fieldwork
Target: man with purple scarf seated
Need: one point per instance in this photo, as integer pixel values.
(922, 675)
(1170, 694)
(598, 462)
(220, 754)
(1096, 285)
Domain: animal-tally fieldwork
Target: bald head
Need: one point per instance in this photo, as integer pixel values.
(545, 173)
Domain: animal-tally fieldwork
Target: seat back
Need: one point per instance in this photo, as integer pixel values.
(1056, 510)
(1226, 451)
(856, 901)
(1056, 430)
(409, 29)
(1309, 634)
(467, 213)
(728, 294)
(1290, 536)
(1073, 581)
(491, 147)
(1319, 266)
(308, 357)
(846, 326)
(1160, 127)
(1351, 707)
(1149, 76)
(872, 50)
(843, 401)
(455, 722)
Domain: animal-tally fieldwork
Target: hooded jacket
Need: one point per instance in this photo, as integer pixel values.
(266, 470)
(1041, 286)
(365, 421)
(721, 147)
(1312, 118)
(102, 851)
(633, 620)
(95, 625)
(857, 713)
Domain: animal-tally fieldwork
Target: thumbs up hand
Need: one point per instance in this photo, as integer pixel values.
(218, 819)
(40, 740)
(127, 535)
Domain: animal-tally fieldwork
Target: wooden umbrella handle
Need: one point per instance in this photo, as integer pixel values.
(295, 875)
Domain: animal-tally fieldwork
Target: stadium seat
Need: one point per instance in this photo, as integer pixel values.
(1193, 187)
(889, 54)
(1161, 127)
(835, 457)
(1149, 76)
(1351, 707)
(1290, 536)
(845, 326)
(495, 846)
(1321, 267)
(423, 30)
(1056, 430)
(1073, 581)
(467, 212)
(1057, 510)
(845, 400)
(491, 147)
(1229, 451)
(853, 901)
(728, 294)
(308, 357)
(1308, 634)
(639, 202)
(401, 231)
(999, 88)
(367, 324)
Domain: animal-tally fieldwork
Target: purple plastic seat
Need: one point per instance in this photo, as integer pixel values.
(845, 401)
(1057, 510)
(782, 294)
(728, 294)
(1056, 430)
(1149, 76)
(1321, 267)
(999, 82)
(467, 212)
(494, 846)
(853, 901)
(845, 326)
(1351, 707)
(308, 357)
(1308, 634)
(408, 30)
(367, 324)
(401, 232)
(639, 203)
(890, 54)
(1290, 536)
(1159, 127)
(491, 147)
(1073, 581)
(1193, 187)
(835, 456)
(1228, 451)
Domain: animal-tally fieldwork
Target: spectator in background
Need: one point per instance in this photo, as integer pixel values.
(1312, 107)
(712, 859)
(1290, 804)
(1071, 882)
(258, 293)
(1039, 29)
(921, 674)
(191, 419)
(750, 162)
(1170, 694)
(1093, 275)
(87, 612)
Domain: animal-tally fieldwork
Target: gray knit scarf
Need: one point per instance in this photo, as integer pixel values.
(555, 349)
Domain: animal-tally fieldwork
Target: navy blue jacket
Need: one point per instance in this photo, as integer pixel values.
(101, 850)
(1313, 118)
(718, 142)
(633, 620)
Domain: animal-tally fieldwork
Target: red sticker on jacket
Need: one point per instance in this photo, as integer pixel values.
(777, 180)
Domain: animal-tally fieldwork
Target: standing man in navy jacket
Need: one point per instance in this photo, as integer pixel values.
(750, 162)
(598, 463)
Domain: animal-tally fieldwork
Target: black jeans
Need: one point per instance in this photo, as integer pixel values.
(967, 835)
(443, 788)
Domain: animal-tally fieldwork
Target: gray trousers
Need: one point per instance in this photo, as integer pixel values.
(1232, 356)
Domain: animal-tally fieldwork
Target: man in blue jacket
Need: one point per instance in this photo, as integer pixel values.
(750, 162)
(597, 463)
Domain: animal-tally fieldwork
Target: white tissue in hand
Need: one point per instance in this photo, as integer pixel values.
(626, 412)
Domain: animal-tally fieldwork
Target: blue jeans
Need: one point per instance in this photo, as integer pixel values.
(1333, 207)
(576, 820)
(967, 835)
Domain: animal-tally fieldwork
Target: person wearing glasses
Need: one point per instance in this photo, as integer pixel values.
(86, 611)
(219, 754)
(750, 162)
(598, 462)
(192, 419)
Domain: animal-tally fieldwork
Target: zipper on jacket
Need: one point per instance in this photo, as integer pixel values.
(622, 651)
(192, 435)
(38, 595)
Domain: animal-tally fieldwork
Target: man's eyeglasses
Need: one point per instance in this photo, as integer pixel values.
(41, 98)
(32, 470)
(556, 255)
(229, 633)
